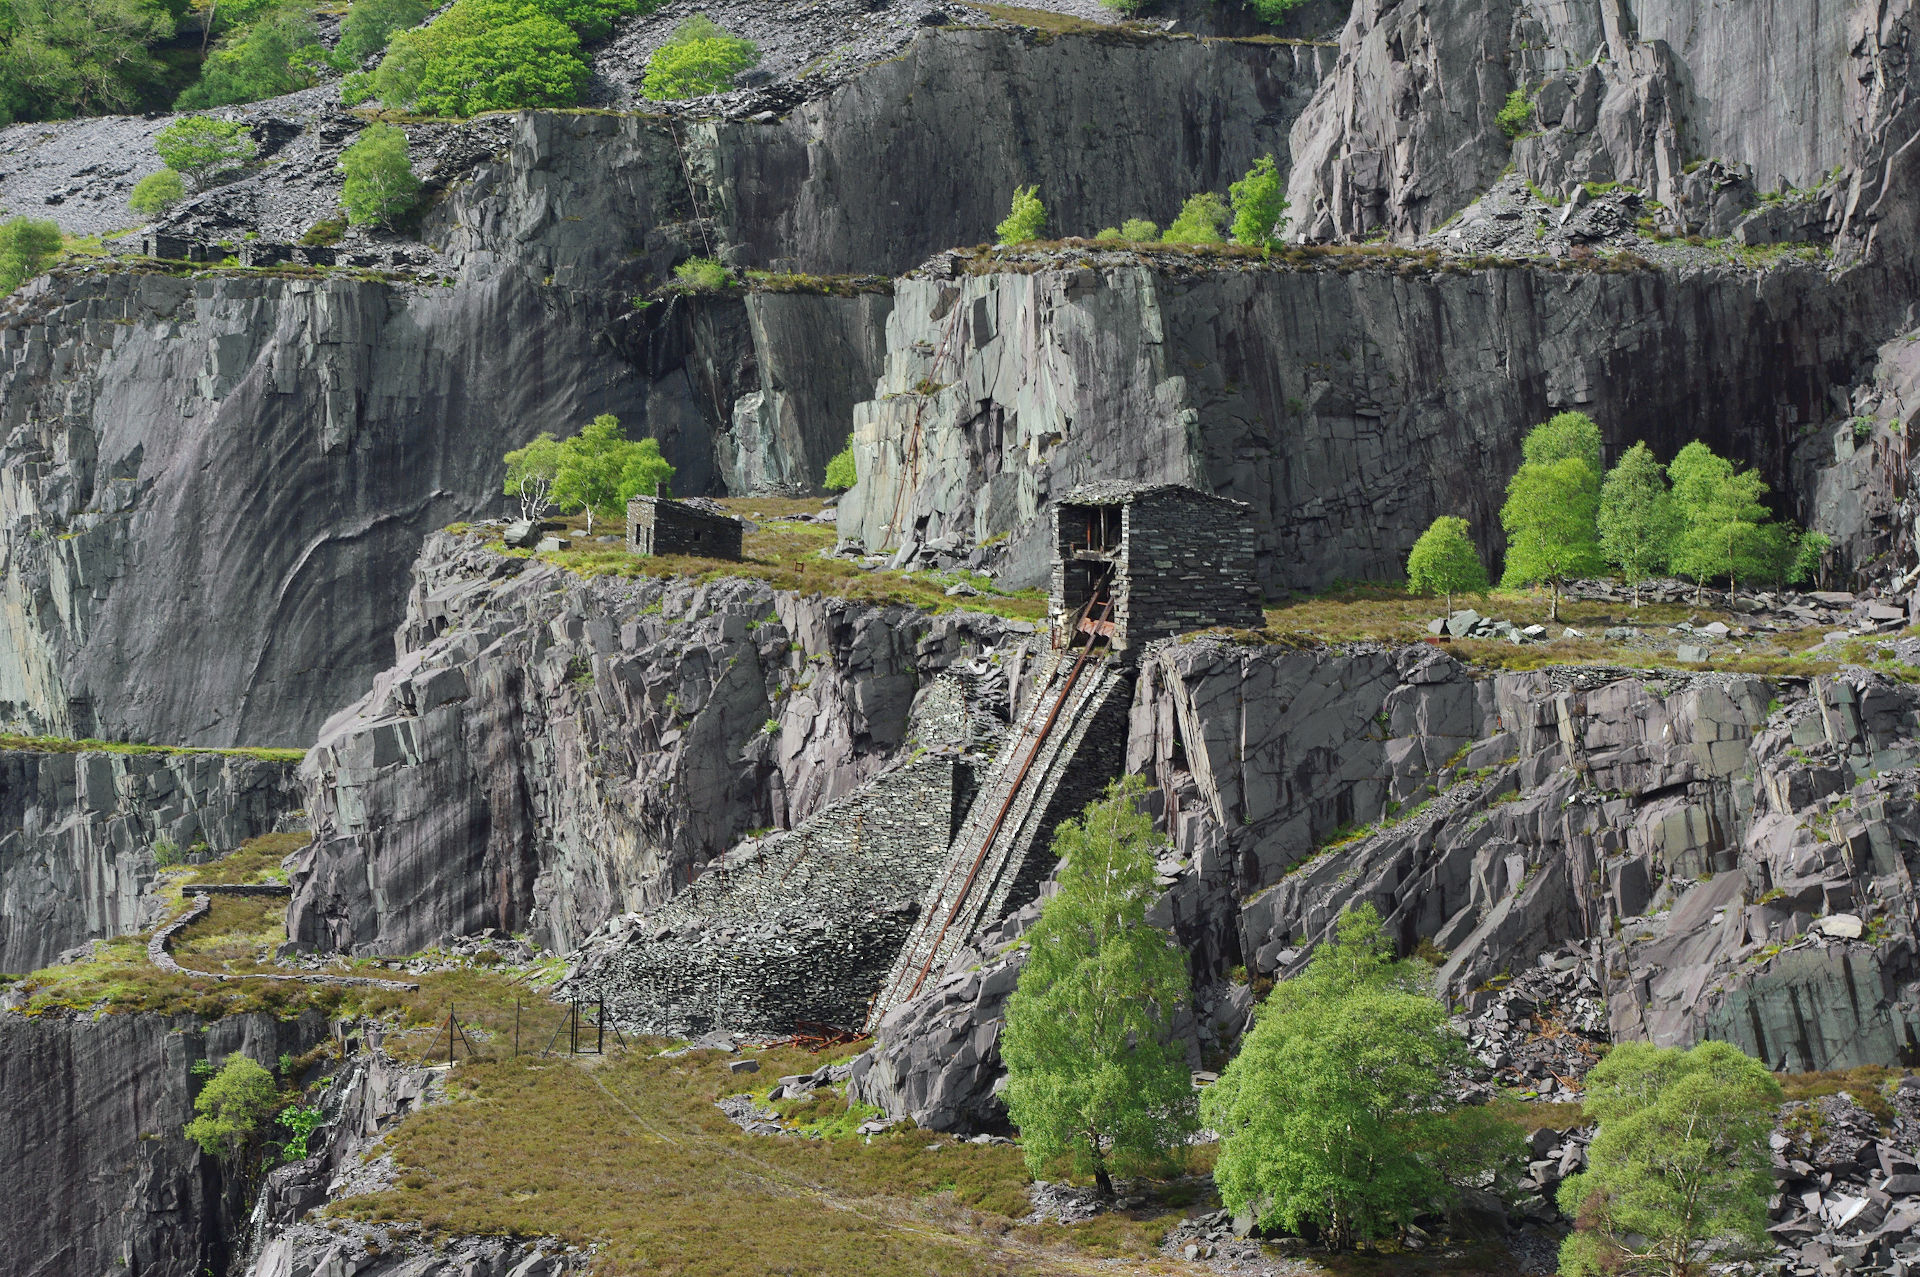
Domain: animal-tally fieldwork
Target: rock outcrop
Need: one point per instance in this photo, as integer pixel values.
(79, 832)
(95, 1174)
(251, 462)
(1347, 400)
(1406, 130)
(1720, 856)
(552, 750)
(367, 1097)
(795, 928)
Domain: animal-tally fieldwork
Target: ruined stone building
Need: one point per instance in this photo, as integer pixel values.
(659, 525)
(1148, 561)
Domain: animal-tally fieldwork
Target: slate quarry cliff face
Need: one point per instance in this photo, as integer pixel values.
(1347, 401)
(1720, 856)
(552, 750)
(212, 487)
(1403, 132)
(95, 1173)
(79, 832)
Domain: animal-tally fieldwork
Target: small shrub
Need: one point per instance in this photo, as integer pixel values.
(704, 274)
(841, 473)
(1139, 230)
(325, 232)
(1107, 234)
(156, 193)
(700, 57)
(166, 853)
(1516, 115)
(233, 1108)
(1025, 220)
(1200, 220)
(201, 148)
(369, 24)
(1272, 12)
(300, 1123)
(380, 186)
(1258, 204)
(26, 248)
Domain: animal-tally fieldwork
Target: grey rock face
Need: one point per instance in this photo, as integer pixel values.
(1311, 393)
(1403, 133)
(1716, 855)
(551, 751)
(798, 927)
(923, 152)
(214, 487)
(77, 836)
(96, 1175)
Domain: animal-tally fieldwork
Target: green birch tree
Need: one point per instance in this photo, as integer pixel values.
(1636, 520)
(1334, 1115)
(1444, 561)
(1680, 1169)
(1094, 1076)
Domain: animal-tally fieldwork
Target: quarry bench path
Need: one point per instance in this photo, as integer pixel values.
(160, 951)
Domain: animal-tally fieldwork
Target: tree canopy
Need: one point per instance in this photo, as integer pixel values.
(379, 185)
(1680, 1161)
(490, 55)
(1199, 222)
(81, 57)
(1259, 202)
(1550, 518)
(1636, 517)
(1094, 1077)
(699, 57)
(1563, 435)
(531, 471)
(277, 52)
(1026, 220)
(841, 473)
(369, 24)
(156, 193)
(1725, 528)
(1444, 561)
(232, 1108)
(1334, 1115)
(26, 247)
(201, 148)
(598, 470)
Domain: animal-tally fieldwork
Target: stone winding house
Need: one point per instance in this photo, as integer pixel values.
(1149, 561)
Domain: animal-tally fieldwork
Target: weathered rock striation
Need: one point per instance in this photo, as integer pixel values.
(551, 750)
(1346, 401)
(96, 1175)
(79, 831)
(1404, 132)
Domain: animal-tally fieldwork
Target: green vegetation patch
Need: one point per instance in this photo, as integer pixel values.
(629, 1152)
(786, 555)
(63, 745)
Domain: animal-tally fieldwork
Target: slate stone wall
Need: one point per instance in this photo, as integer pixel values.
(657, 526)
(1183, 561)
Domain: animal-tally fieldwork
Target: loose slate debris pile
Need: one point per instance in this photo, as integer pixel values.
(1849, 1188)
(1540, 1031)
